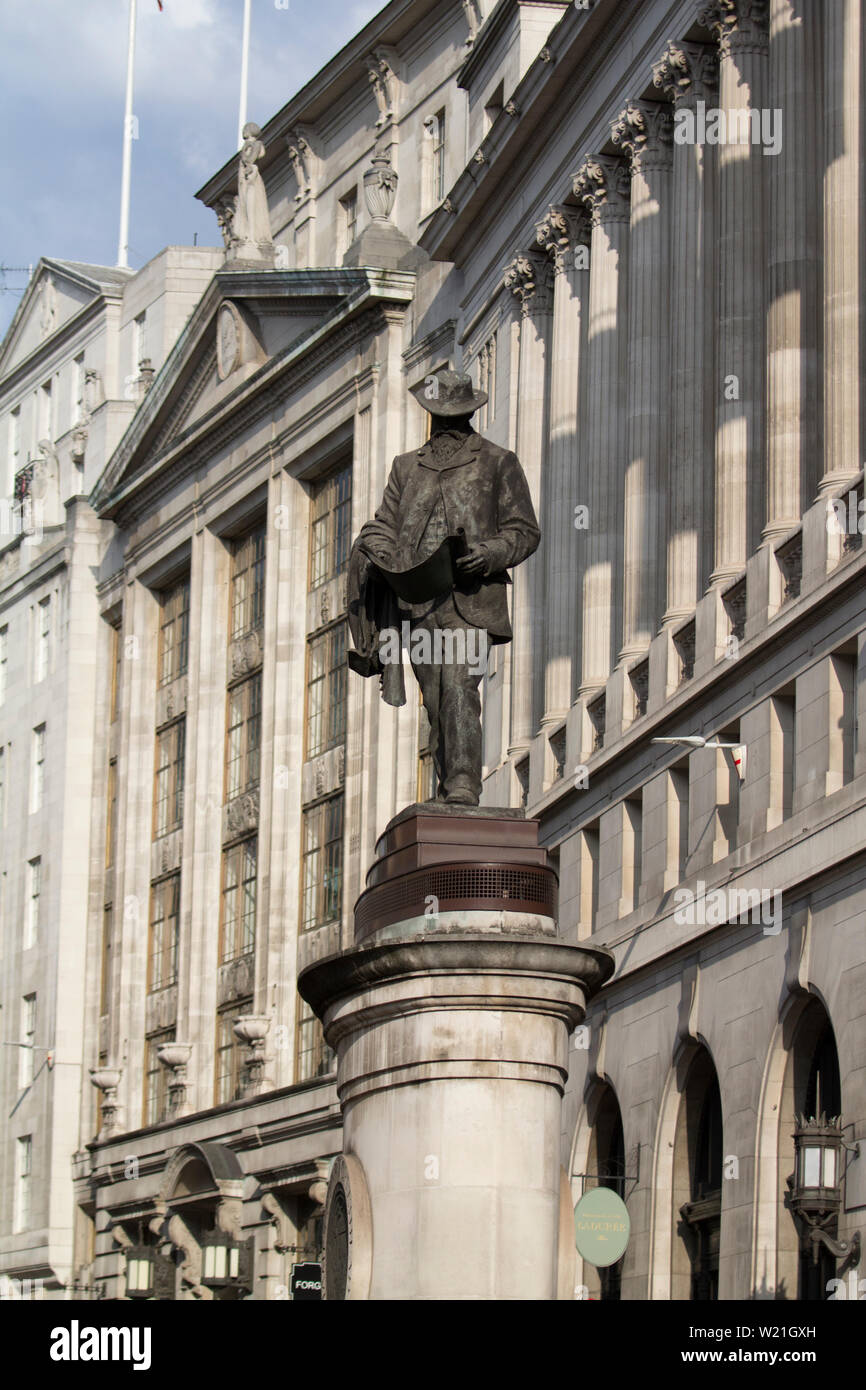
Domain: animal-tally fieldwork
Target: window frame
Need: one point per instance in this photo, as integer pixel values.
(170, 775)
(166, 949)
(244, 940)
(321, 890)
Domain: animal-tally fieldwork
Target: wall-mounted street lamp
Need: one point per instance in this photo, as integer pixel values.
(140, 1271)
(816, 1186)
(224, 1260)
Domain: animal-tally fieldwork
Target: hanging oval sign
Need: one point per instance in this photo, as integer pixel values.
(601, 1227)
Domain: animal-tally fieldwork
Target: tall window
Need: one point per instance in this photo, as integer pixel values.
(326, 690)
(228, 1056)
(107, 947)
(437, 132)
(168, 785)
(139, 341)
(45, 412)
(43, 638)
(156, 1078)
(4, 661)
(238, 917)
(14, 444)
(111, 814)
(349, 206)
(76, 394)
(243, 738)
(331, 527)
(174, 633)
(23, 1174)
(116, 652)
(487, 379)
(248, 583)
(164, 933)
(27, 1041)
(322, 870)
(34, 893)
(2, 788)
(314, 1057)
(37, 778)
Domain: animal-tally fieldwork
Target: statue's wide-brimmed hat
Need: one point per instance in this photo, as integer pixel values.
(449, 393)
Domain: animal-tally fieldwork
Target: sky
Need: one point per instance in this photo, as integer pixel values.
(62, 90)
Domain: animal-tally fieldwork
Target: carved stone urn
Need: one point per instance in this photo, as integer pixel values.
(252, 1029)
(107, 1080)
(174, 1056)
(380, 188)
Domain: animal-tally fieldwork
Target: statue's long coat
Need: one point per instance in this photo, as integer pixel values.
(484, 492)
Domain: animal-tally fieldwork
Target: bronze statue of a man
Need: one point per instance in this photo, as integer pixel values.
(466, 499)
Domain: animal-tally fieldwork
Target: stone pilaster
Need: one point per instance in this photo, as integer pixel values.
(741, 30)
(602, 184)
(202, 841)
(644, 132)
(563, 233)
(686, 74)
(843, 241)
(794, 246)
(530, 279)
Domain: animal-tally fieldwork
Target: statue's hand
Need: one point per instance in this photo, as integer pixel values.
(474, 562)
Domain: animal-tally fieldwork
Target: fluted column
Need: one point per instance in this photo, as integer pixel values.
(560, 233)
(530, 279)
(794, 246)
(686, 74)
(740, 28)
(603, 184)
(644, 132)
(844, 233)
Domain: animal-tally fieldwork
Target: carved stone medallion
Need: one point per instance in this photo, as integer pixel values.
(228, 341)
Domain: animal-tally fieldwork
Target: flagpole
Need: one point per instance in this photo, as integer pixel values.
(245, 69)
(125, 179)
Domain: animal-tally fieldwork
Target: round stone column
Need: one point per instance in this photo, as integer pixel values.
(451, 1028)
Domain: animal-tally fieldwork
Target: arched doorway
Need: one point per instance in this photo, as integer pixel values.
(605, 1167)
(812, 1091)
(697, 1184)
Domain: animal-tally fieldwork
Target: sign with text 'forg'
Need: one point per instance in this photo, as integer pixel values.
(601, 1227)
(306, 1282)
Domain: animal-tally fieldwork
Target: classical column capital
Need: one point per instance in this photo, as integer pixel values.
(644, 132)
(738, 26)
(687, 73)
(603, 184)
(559, 232)
(529, 276)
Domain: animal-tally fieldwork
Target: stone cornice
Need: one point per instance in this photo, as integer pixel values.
(579, 45)
(644, 132)
(687, 73)
(603, 184)
(357, 292)
(492, 30)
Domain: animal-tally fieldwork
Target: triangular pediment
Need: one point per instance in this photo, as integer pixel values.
(57, 293)
(244, 321)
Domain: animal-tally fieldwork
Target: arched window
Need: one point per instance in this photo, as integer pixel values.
(698, 1170)
(606, 1167)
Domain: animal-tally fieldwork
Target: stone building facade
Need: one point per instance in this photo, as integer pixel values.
(80, 354)
(632, 222)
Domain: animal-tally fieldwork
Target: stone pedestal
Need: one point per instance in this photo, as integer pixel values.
(450, 1018)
